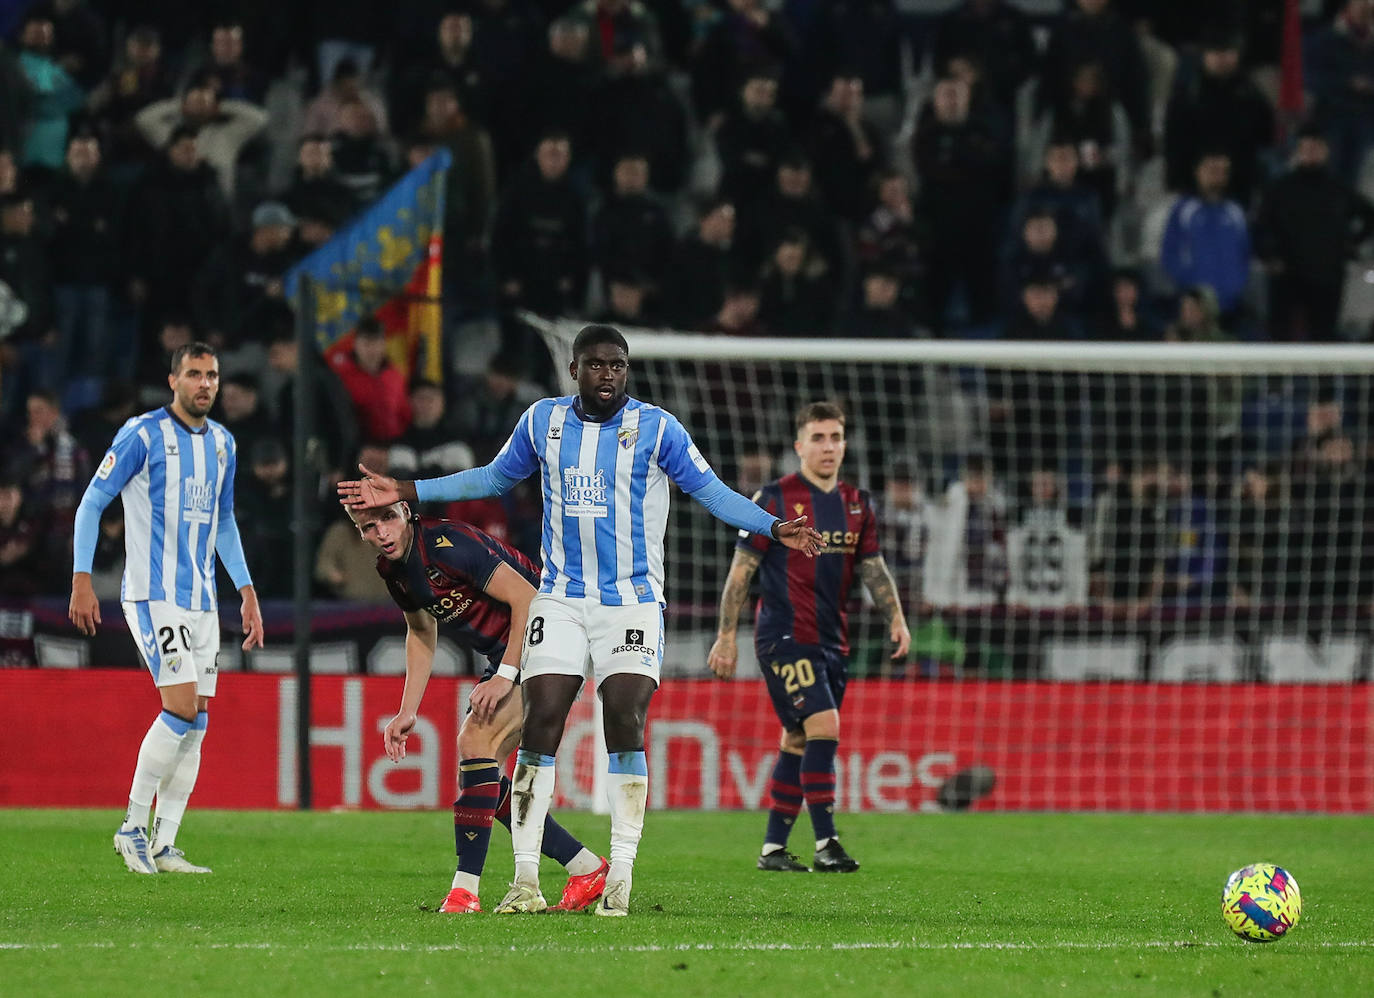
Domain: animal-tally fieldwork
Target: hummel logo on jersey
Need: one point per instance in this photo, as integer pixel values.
(798, 508)
(443, 542)
(555, 433)
(171, 449)
(470, 835)
(150, 641)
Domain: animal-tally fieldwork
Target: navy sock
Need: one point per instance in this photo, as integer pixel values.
(785, 798)
(560, 845)
(818, 784)
(479, 788)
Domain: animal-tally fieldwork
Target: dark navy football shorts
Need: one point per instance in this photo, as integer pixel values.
(802, 679)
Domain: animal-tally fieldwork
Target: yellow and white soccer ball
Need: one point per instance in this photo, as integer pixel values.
(1261, 902)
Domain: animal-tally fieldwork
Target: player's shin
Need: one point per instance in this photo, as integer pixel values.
(785, 801)
(479, 792)
(156, 757)
(531, 797)
(559, 844)
(627, 787)
(174, 789)
(818, 786)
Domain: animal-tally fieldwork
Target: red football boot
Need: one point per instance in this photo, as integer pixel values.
(584, 891)
(462, 901)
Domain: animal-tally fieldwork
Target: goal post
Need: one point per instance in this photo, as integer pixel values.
(1137, 576)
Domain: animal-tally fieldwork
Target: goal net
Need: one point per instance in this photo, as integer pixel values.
(1137, 576)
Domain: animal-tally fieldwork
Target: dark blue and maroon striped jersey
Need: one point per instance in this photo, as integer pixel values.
(803, 599)
(446, 572)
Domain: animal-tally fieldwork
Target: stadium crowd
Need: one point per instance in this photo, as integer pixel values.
(1092, 169)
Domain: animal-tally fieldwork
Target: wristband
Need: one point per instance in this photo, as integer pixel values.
(506, 671)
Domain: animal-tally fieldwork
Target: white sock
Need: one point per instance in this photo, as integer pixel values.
(821, 844)
(771, 847)
(467, 881)
(583, 863)
(174, 791)
(155, 759)
(628, 794)
(531, 795)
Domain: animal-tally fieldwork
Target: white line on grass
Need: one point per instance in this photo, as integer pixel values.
(894, 944)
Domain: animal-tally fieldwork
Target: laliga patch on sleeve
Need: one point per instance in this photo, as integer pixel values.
(106, 466)
(697, 459)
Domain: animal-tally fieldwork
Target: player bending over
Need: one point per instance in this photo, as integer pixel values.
(174, 470)
(442, 571)
(801, 633)
(604, 462)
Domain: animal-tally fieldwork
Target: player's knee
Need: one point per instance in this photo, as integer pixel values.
(475, 743)
(823, 725)
(793, 740)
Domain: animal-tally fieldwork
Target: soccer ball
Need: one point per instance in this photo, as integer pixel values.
(1261, 902)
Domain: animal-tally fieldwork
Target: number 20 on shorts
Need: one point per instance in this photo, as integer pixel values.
(796, 675)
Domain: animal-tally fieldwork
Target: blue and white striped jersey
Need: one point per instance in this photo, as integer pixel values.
(605, 494)
(178, 487)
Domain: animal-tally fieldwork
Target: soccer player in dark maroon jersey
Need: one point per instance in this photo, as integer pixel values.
(801, 630)
(451, 573)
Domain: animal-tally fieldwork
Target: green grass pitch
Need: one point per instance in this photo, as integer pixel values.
(343, 904)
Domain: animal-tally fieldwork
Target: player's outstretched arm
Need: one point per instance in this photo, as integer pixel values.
(422, 637)
(724, 503)
(507, 585)
(381, 490)
(724, 653)
(883, 588)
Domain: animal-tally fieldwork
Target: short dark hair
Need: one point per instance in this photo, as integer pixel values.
(596, 334)
(369, 325)
(194, 349)
(815, 411)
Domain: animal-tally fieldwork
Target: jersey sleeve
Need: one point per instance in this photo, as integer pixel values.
(518, 459)
(126, 455)
(679, 458)
(767, 500)
(868, 530)
(461, 554)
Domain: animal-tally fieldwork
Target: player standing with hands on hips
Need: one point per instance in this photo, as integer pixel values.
(801, 633)
(604, 460)
(174, 469)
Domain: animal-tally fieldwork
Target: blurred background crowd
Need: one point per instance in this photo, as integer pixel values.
(1128, 170)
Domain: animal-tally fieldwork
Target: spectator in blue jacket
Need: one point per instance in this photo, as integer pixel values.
(1207, 239)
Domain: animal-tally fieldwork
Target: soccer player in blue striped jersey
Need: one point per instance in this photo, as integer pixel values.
(604, 462)
(174, 470)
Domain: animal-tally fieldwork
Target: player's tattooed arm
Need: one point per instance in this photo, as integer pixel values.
(724, 652)
(883, 588)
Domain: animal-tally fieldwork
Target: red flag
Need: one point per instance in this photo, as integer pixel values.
(1290, 67)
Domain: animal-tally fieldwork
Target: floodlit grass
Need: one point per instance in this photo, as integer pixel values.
(343, 904)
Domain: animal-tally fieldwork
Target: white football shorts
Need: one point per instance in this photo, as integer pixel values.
(562, 634)
(177, 645)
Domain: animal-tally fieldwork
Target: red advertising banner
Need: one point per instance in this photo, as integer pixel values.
(1051, 746)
